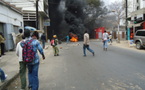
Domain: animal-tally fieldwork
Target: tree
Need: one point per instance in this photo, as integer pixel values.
(118, 8)
(93, 10)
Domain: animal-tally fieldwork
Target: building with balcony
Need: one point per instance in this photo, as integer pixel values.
(30, 17)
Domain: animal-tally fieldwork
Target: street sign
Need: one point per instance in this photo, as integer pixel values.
(46, 23)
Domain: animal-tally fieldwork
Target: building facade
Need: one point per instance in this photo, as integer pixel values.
(137, 18)
(11, 19)
(30, 15)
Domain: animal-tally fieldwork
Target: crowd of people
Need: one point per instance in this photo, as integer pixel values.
(27, 45)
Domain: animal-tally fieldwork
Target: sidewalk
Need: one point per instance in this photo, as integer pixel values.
(125, 44)
(10, 65)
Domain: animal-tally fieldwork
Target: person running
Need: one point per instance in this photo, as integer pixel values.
(105, 40)
(54, 43)
(34, 65)
(86, 44)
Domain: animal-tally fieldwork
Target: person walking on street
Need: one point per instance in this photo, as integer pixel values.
(2, 44)
(34, 65)
(67, 39)
(19, 36)
(86, 44)
(23, 65)
(105, 40)
(54, 43)
(110, 39)
(43, 39)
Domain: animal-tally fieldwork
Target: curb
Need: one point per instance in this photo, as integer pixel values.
(7, 82)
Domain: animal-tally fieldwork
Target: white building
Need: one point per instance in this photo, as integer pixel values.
(138, 4)
(29, 12)
(137, 17)
(11, 19)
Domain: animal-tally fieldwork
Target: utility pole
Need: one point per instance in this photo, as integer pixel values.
(37, 18)
(126, 18)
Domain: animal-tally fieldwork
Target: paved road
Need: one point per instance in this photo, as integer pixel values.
(116, 69)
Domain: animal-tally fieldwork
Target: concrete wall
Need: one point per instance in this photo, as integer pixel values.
(142, 4)
(7, 15)
(10, 19)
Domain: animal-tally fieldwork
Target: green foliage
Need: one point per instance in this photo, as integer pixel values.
(94, 3)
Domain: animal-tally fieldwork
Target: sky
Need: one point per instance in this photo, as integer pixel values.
(107, 2)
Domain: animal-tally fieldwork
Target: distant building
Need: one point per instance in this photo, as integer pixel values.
(11, 19)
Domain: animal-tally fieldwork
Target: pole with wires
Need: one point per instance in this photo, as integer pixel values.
(37, 18)
(126, 5)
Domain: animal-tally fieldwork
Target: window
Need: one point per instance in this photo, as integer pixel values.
(140, 33)
(137, 8)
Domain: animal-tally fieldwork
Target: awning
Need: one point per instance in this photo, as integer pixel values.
(135, 25)
(138, 24)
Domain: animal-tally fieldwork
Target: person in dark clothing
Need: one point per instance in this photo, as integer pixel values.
(43, 39)
(2, 45)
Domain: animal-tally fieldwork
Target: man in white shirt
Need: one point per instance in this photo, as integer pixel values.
(86, 44)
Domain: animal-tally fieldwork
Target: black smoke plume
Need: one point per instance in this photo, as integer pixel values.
(67, 16)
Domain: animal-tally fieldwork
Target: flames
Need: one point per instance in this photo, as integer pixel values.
(74, 37)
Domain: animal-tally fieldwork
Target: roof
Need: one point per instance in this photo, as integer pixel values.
(11, 6)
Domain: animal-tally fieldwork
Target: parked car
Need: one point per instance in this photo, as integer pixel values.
(139, 39)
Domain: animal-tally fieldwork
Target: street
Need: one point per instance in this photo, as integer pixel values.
(115, 69)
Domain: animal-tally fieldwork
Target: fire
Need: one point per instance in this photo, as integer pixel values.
(74, 37)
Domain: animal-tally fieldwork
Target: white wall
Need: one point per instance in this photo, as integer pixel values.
(9, 16)
(28, 4)
(142, 4)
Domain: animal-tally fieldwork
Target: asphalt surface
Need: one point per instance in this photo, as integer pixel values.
(115, 69)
